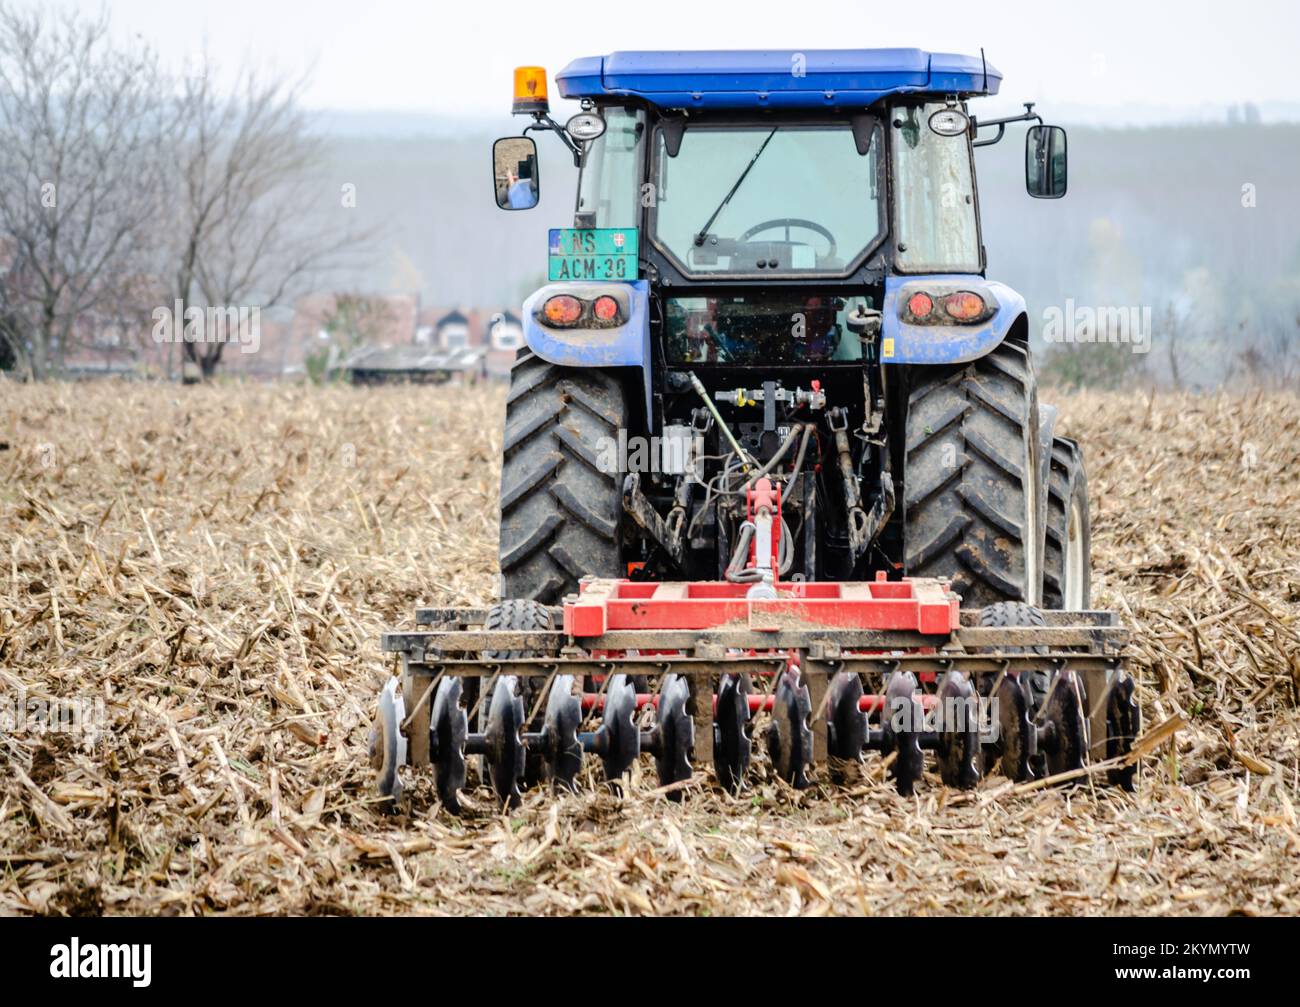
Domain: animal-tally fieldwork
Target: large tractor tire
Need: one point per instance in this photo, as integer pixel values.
(971, 478)
(1067, 556)
(559, 512)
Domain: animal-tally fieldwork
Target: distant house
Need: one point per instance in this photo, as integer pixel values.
(505, 339)
(452, 331)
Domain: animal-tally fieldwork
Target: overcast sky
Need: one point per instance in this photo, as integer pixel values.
(1139, 60)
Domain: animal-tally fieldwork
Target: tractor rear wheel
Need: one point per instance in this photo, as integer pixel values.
(1067, 556)
(560, 512)
(971, 477)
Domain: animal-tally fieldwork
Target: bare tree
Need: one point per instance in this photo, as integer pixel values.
(80, 167)
(247, 176)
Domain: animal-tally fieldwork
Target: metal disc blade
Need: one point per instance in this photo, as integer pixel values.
(563, 716)
(388, 744)
(902, 722)
(846, 727)
(789, 739)
(1013, 744)
(620, 739)
(1064, 714)
(1123, 725)
(676, 733)
(448, 729)
(505, 748)
(732, 746)
(958, 724)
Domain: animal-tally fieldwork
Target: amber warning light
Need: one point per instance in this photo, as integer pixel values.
(530, 90)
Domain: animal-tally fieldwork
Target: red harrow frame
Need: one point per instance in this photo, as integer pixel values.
(1034, 699)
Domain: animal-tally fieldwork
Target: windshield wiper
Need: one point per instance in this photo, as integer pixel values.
(704, 231)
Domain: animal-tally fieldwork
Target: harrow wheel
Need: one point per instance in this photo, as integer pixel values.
(901, 721)
(619, 740)
(959, 738)
(562, 750)
(674, 734)
(1123, 725)
(388, 744)
(504, 746)
(448, 729)
(846, 724)
(1067, 737)
(789, 739)
(732, 746)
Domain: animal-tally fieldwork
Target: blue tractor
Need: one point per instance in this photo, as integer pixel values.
(777, 268)
(772, 424)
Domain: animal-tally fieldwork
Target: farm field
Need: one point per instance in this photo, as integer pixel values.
(204, 573)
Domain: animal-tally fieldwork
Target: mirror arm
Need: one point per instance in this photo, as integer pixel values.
(1029, 115)
(543, 121)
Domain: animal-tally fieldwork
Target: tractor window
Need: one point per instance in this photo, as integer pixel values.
(611, 171)
(934, 197)
(761, 199)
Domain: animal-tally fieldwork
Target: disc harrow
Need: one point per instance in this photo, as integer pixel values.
(683, 671)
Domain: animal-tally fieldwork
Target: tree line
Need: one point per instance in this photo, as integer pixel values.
(129, 189)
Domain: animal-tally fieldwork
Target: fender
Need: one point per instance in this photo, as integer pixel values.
(903, 343)
(625, 345)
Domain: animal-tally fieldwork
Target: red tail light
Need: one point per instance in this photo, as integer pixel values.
(605, 308)
(562, 309)
(919, 304)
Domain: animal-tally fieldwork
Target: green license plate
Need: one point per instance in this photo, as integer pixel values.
(592, 253)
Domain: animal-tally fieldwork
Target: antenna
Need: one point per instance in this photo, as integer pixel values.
(984, 65)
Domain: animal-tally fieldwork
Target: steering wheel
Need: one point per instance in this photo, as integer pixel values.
(789, 222)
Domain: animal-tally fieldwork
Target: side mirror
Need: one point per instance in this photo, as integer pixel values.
(1045, 162)
(514, 173)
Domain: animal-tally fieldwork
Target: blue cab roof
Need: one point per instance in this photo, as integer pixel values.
(774, 78)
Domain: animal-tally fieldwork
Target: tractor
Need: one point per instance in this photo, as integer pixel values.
(774, 434)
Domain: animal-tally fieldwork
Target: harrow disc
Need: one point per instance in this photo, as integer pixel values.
(504, 746)
(1123, 725)
(846, 723)
(562, 749)
(618, 740)
(789, 739)
(674, 734)
(448, 729)
(1012, 747)
(388, 744)
(732, 746)
(959, 738)
(902, 721)
(1063, 712)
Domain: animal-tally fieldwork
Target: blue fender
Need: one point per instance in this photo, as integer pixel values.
(625, 345)
(903, 343)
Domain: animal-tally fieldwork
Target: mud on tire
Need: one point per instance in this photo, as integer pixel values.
(559, 512)
(971, 476)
